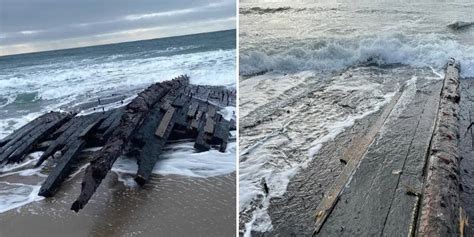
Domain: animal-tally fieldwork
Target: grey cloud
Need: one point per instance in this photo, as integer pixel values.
(33, 21)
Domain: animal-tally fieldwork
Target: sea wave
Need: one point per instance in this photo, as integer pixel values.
(76, 81)
(329, 55)
(269, 10)
(460, 25)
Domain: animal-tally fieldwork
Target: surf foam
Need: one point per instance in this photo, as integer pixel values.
(427, 50)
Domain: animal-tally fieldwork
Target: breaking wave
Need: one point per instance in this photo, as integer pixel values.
(331, 55)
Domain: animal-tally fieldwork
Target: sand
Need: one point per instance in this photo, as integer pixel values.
(168, 206)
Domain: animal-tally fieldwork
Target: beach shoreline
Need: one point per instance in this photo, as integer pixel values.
(170, 205)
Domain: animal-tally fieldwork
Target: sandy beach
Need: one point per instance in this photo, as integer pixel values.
(169, 206)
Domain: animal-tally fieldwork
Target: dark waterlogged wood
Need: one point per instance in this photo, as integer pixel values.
(153, 143)
(68, 129)
(440, 196)
(19, 146)
(65, 164)
(133, 116)
(466, 131)
(389, 186)
(131, 120)
(167, 110)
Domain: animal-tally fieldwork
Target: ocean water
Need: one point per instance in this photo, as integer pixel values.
(357, 51)
(32, 84)
(333, 35)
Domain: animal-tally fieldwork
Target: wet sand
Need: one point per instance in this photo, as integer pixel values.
(169, 206)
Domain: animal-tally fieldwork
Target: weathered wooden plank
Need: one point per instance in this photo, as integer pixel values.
(211, 111)
(17, 151)
(113, 115)
(221, 132)
(192, 109)
(225, 99)
(70, 128)
(180, 101)
(403, 211)
(160, 132)
(440, 198)
(153, 145)
(353, 157)
(222, 128)
(182, 115)
(384, 187)
(197, 120)
(63, 128)
(209, 127)
(205, 129)
(165, 106)
(466, 145)
(65, 164)
(90, 127)
(233, 125)
(62, 170)
(112, 127)
(201, 143)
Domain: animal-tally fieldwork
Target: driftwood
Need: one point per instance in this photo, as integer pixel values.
(165, 111)
(16, 147)
(64, 166)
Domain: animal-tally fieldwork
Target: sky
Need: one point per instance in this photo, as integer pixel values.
(41, 25)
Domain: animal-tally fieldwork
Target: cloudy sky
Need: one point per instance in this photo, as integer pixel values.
(39, 25)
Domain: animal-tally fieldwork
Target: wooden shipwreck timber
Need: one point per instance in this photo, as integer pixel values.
(165, 111)
(396, 172)
(415, 191)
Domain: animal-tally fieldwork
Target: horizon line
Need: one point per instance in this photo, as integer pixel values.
(122, 42)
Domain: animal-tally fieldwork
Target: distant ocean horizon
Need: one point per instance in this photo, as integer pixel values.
(114, 43)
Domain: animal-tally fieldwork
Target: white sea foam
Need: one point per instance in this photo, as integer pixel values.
(182, 159)
(14, 195)
(68, 82)
(228, 113)
(428, 50)
(8, 125)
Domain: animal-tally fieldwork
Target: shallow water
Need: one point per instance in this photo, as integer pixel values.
(330, 35)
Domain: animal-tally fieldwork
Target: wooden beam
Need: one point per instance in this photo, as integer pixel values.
(160, 132)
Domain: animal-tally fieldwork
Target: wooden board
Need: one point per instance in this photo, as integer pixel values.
(165, 122)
